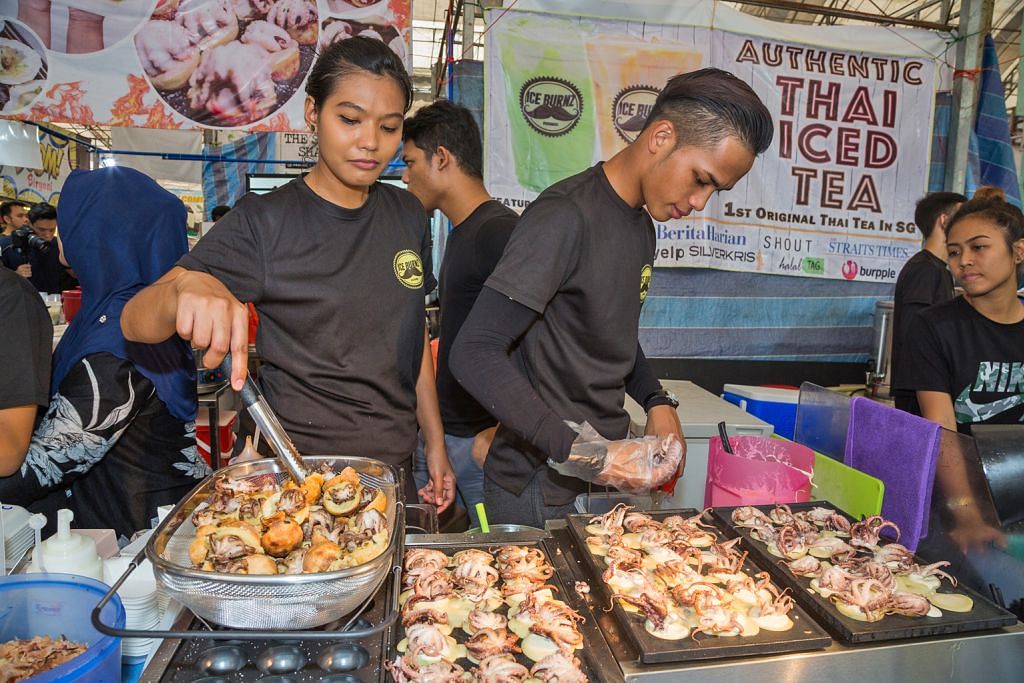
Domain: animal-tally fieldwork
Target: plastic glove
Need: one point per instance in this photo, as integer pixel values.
(630, 465)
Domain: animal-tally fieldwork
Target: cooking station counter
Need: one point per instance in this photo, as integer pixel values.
(993, 656)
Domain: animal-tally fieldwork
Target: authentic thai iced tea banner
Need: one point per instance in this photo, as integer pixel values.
(178, 63)
(833, 197)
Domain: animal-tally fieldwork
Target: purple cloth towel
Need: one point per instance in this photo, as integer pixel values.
(902, 450)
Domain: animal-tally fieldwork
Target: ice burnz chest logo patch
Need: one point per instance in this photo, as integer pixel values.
(551, 106)
(645, 281)
(409, 268)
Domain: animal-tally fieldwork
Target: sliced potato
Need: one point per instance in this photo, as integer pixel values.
(538, 647)
(952, 602)
(775, 622)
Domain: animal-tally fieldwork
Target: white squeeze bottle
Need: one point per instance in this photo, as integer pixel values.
(67, 552)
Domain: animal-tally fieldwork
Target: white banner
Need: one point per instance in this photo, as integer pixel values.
(40, 184)
(833, 197)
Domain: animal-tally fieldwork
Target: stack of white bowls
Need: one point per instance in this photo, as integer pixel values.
(139, 596)
(18, 536)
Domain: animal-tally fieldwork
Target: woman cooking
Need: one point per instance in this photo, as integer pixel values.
(337, 266)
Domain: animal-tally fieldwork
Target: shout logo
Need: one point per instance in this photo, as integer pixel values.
(645, 281)
(630, 109)
(552, 106)
(850, 270)
(409, 268)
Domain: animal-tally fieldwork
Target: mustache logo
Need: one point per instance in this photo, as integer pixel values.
(546, 111)
(551, 106)
(630, 109)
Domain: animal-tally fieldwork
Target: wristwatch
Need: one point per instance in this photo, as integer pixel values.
(661, 397)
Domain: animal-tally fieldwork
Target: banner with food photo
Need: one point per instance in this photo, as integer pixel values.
(834, 195)
(178, 63)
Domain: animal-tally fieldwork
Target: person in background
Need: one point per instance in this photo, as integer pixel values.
(118, 439)
(219, 212)
(968, 369)
(13, 215)
(337, 265)
(443, 154)
(971, 349)
(24, 374)
(924, 281)
(553, 336)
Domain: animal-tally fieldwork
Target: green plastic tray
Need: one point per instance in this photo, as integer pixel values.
(856, 493)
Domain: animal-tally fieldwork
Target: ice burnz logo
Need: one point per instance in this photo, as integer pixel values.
(409, 268)
(630, 109)
(850, 270)
(551, 106)
(645, 281)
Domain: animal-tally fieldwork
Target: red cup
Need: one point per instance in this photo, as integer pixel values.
(72, 300)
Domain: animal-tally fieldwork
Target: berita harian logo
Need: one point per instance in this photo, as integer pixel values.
(630, 109)
(552, 106)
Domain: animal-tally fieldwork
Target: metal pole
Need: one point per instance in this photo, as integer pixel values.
(975, 22)
(791, 6)
(469, 10)
(1020, 96)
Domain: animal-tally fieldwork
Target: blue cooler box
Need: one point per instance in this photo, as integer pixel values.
(775, 406)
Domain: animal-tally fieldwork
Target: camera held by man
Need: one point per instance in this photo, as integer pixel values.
(25, 239)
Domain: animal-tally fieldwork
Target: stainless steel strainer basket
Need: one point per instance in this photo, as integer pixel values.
(285, 602)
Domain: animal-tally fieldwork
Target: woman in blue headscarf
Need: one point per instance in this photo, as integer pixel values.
(118, 439)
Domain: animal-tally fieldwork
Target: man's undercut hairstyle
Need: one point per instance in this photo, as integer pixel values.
(449, 125)
(709, 105)
(933, 205)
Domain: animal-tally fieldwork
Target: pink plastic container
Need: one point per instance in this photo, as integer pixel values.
(761, 471)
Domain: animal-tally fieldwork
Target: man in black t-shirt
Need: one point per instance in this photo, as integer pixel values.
(553, 337)
(443, 154)
(924, 281)
(25, 377)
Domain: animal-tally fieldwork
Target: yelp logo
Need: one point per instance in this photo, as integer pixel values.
(850, 270)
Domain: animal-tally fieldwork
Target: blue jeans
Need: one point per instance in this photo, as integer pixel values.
(469, 478)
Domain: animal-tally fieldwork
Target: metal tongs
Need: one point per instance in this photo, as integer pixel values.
(266, 420)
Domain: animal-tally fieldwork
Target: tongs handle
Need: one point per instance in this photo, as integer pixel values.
(266, 420)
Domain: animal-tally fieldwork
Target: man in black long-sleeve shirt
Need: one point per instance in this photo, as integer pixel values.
(443, 154)
(553, 336)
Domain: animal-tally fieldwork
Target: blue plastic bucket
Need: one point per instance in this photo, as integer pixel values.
(58, 605)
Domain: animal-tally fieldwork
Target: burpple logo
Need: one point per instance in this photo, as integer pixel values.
(850, 270)
(630, 109)
(552, 106)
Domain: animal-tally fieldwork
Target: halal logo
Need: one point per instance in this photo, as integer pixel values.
(552, 106)
(645, 281)
(409, 269)
(630, 109)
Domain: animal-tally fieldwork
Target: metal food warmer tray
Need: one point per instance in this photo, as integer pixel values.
(805, 634)
(596, 658)
(985, 614)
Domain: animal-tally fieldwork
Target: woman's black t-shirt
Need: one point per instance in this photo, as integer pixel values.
(340, 295)
(978, 362)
